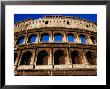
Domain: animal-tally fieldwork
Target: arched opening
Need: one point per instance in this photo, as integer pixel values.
(68, 23)
(90, 57)
(82, 38)
(15, 56)
(75, 57)
(42, 58)
(26, 58)
(57, 37)
(70, 37)
(59, 57)
(44, 37)
(20, 40)
(32, 38)
(46, 22)
(93, 39)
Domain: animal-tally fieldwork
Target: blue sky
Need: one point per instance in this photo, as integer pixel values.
(20, 17)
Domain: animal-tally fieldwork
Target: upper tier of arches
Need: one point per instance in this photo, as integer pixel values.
(58, 37)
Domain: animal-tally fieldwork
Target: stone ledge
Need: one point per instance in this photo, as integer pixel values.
(62, 66)
(82, 66)
(43, 67)
(25, 67)
(56, 73)
(57, 67)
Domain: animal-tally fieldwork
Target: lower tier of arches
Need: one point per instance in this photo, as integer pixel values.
(55, 58)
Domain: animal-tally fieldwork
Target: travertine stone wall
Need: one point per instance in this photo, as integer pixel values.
(50, 51)
(51, 37)
(53, 21)
(51, 25)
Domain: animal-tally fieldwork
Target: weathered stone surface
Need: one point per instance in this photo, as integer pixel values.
(57, 73)
(68, 65)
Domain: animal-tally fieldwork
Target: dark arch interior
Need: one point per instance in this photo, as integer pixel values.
(42, 58)
(46, 22)
(26, 58)
(59, 57)
(82, 38)
(70, 37)
(20, 40)
(32, 38)
(57, 37)
(75, 57)
(68, 22)
(15, 56)
(93, 39)
(90, 57)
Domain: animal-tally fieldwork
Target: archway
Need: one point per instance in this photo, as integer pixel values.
(75, 57)
(32, 38)
(44, 37)
(93, 39)
(82, 38)
(59, 57)
(70, 37)
(42, 58)
(20, 40)
(26, 58)
(57, 37)
(90, 57)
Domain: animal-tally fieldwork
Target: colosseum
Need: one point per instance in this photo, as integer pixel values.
(55, 46)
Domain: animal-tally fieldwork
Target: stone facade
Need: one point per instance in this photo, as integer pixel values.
(54, 58)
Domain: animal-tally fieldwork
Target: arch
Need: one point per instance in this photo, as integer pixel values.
(90, 57)
(93, 39)
(20, 40)
(44, 37)
(32, 38)
(26, 58)
(46, 22)
(57, 37)
(15, 56)
(42, 58)
(68, 23)
(75, 57)
(70, 37)
(59, 57)
(82, 38)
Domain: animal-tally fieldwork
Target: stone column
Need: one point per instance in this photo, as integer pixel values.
(33, 57)
(64, 37)
(76, 40)
(50, 57)
(36, 41)
(15, 40)
(26, 39)
(83, 58)
(50, 38)
(17, 58)
(36, 54)
(39, 37)
(67, 57)
(88, 40)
